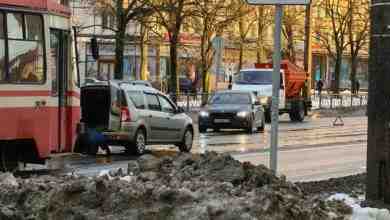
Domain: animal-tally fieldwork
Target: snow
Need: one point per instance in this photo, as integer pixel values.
(127, 178)
(360, 213)
(105, 173)
(8, 179)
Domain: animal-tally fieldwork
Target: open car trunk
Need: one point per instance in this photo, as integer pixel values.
(95, 106)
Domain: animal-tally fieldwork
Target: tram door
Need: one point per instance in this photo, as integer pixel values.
(59, 47)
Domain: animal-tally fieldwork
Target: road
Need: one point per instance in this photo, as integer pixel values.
(308, 151)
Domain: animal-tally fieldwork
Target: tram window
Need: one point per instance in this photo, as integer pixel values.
(25, 61)
(1, 26)
(33, 27)
(2, 49)
(15, 25)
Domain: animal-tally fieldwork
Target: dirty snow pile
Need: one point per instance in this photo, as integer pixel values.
(183, 186)
(360, 213)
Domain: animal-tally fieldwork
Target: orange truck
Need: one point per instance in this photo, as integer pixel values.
(292, 98)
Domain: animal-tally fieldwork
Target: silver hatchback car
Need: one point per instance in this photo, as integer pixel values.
(134, 116)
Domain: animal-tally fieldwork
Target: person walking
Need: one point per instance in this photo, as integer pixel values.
(319, 86)
(357, 87)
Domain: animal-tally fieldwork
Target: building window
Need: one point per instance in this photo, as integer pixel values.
(25, 47)
(108, 20)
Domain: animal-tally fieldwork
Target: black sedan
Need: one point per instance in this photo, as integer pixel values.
(232, 110)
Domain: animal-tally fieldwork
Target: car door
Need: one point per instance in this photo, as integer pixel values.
(155, 119)
(173, 123)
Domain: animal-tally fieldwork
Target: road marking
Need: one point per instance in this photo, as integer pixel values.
(295, 150)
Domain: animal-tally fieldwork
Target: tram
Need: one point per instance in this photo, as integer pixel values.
(39, 87)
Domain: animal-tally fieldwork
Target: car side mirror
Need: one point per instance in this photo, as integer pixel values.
(180, 110)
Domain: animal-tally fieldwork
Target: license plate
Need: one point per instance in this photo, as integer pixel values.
(221, 120)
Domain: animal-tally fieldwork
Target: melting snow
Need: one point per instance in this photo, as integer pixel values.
(360, 213)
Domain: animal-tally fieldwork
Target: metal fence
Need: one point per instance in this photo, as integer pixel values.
(192, 102)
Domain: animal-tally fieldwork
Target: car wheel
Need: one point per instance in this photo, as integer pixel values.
(249, 130)
(202, 129)
(186, 144)
(140, 142)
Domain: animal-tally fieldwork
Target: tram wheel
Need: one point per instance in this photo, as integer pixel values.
(8, 160)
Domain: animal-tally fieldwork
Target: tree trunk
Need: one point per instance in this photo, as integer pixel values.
(144, 55)
(354, 63)
(204, 69)
(119, 40)
(260, 35)
(119, 50)
(173, 83)
(378, 144)
(241, 56)
(337, 70)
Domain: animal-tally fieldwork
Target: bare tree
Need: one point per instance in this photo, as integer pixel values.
(335, 40)
(246, 23)
(293, 19)
(124, 12)
(264, 20)
(210, 20)
(172, 14)
(358, 33)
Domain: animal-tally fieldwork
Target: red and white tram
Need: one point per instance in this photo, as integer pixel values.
(39, 93)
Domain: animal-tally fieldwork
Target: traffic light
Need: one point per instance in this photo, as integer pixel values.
(94, 48)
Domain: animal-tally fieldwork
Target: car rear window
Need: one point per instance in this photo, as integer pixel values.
(137, 98)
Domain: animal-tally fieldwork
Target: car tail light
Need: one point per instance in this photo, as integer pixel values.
(125, 114)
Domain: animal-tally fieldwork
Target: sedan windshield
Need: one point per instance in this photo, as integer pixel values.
(254, 77)
(230, 98)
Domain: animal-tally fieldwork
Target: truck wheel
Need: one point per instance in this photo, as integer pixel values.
(267, 116)
(261, 128)
(297, 112)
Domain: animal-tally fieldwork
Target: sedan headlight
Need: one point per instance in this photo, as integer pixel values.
(242, 114)
(204, 114)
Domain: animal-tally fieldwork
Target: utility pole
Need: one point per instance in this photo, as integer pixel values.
(308, 49)
(276, 88)
(378, 144)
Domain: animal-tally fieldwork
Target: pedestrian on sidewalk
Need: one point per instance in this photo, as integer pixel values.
(357, 87)
(319, 86)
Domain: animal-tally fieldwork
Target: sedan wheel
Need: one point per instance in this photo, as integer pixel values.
(186, 144)
(249, 130)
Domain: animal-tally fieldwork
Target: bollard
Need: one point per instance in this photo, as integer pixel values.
(319, 106)
(188, 102)
(351, 100)
(361, 100)
(331, 102)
